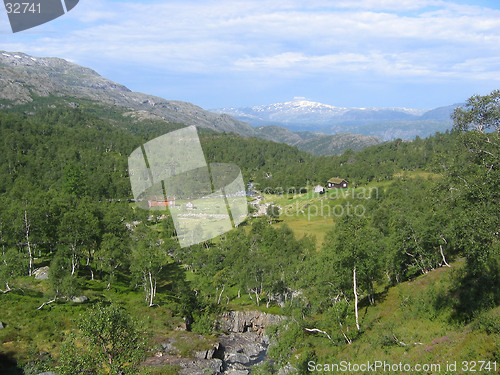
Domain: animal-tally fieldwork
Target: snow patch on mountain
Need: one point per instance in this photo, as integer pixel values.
(301, 114)
(301, 110)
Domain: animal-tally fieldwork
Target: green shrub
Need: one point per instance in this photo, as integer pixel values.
(203, 325)
(488, 322)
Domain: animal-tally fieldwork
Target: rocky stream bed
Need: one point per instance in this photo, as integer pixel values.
(242, 345)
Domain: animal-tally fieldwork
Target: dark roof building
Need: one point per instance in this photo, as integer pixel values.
(336, 183)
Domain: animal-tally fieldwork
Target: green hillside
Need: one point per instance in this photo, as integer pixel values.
(401, 267)
(338, 143)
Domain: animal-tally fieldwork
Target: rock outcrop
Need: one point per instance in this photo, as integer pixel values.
(244, 343)
(41, 273)
(188, 366)
(177, 351)
(247, 321)
(241, 351)
(79, 299)
(22, 77)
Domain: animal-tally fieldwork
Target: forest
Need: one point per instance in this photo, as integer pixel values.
(65, 204)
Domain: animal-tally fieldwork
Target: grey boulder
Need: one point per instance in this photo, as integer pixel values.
(41, 273)
(79, 299)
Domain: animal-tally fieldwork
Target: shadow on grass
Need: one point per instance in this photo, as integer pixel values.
(28, 293)
(379, 298)
(8, 364)
(173, 278)
(177, 289)
(473, 294)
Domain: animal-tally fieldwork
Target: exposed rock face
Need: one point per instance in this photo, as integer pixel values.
(207, 354)
(41, 273)
(247, 321)
(188, 366)
(245, 343)
(240, 351)
(23, 76)
(199, 362)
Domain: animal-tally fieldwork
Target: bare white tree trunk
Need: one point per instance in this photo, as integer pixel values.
(48, 302)
(7, 288)
(73, 263)
(27, 226)
(151, 291)
(220, 295)
(320, 331)
(442, 254)
(355, 297)
(347, 339)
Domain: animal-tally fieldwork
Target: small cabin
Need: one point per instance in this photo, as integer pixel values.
(336, 183)
(154, 203)
(318, 189)
(161, 202)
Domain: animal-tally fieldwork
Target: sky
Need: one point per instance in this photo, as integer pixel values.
(235, 53)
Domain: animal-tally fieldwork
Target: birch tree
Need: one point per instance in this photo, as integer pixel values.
(11, 265)
(356, 250)
(78, 232)
(474, 199)
(149, 257)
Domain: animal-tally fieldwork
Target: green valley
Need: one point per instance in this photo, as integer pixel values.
(400, 267)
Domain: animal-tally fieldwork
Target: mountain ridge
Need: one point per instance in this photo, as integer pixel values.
(318, 144)
(301, 114)
(22, 77)
(299, 104)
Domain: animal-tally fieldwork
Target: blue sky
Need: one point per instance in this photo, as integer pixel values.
(356, 53)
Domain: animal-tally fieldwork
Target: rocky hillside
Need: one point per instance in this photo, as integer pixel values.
(336, 144)
(22, 77)
(318, 144)
(241, 344)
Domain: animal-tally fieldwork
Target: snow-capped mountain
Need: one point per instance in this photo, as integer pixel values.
(306, 112)
(23, 78)
(301, 114)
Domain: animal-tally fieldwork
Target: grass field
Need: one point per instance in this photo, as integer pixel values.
(315, 214)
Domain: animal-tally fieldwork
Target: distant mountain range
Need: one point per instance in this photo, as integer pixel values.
(314, 127)
(318, 144)
(386, 123)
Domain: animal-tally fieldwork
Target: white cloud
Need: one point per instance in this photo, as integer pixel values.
(393, 5)
(403, 39)
(346, 61)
